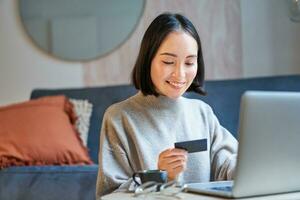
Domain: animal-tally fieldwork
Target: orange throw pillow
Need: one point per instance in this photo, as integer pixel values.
(40, 132)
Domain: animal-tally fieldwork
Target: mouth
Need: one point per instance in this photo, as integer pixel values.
(176, 84)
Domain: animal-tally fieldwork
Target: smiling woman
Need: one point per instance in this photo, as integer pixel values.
(79, 30)
(139, 133)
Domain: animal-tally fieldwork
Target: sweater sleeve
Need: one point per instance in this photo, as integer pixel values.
(114, 172)
(223, 150)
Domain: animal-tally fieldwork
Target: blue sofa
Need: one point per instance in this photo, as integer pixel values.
(78, 182)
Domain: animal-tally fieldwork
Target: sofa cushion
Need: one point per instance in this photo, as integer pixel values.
(40, 132)
(48, 182)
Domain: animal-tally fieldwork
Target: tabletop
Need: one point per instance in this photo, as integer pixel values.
(194, 196)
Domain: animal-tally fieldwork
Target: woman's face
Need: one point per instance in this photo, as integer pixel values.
(174, 66)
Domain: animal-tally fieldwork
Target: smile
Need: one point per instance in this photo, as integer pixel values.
(176, 84)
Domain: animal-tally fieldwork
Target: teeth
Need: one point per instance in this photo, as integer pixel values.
(177, 84)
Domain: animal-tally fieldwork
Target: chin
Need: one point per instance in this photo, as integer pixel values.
(173, 95)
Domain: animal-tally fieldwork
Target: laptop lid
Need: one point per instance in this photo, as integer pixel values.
(269, 146)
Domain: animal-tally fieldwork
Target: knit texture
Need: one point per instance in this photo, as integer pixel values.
(135, 131)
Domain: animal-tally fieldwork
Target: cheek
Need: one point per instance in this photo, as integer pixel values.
(191, 73)
(158, 71)
(153, 70)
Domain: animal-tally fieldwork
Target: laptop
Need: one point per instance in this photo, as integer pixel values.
(269, 148)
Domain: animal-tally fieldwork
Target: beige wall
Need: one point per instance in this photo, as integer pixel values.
(219, 26)
(271, 41)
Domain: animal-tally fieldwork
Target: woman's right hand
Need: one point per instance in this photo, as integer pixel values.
(173, 161)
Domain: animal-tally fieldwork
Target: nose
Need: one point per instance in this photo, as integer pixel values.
(179, 71)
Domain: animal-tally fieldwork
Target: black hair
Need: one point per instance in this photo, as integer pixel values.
(158, 30)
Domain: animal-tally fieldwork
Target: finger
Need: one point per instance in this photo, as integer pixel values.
(171, 166)
(172, 159)
(176, 164)
(174, 172)
(162, 163)
(169, 162)
(179, 169)
(165, 152)
(175, 152)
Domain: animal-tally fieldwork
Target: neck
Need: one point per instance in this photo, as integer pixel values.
(159, 102)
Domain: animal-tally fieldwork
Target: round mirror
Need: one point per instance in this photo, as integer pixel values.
(79, 30)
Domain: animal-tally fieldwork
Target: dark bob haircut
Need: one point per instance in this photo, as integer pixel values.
(158, 30)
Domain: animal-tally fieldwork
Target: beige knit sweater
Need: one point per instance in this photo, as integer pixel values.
(136, 130)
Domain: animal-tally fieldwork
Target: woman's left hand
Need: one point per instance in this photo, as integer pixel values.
(173, 161)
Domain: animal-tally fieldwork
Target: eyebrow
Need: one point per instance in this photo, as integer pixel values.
(174, 55)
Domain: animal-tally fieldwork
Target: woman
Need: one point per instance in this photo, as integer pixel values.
(139, 133)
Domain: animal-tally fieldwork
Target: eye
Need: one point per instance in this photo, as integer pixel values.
(189, 63)
(168, 63)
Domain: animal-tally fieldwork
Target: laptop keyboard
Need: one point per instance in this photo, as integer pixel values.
(223, 188)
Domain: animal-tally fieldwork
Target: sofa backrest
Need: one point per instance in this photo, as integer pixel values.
(223, 96)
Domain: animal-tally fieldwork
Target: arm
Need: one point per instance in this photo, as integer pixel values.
(114, 168)
(223, 150)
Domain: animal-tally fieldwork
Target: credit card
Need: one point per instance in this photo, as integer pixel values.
(192, 146)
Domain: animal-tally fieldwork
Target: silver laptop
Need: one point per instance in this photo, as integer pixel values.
(269, 147)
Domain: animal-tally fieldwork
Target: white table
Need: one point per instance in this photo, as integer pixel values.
(193, 196)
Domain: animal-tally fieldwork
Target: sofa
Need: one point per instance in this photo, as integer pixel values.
(78, 182)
